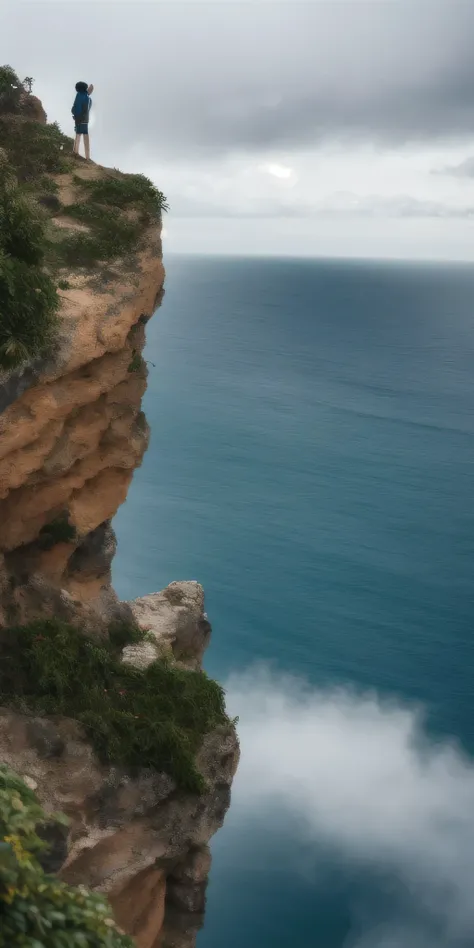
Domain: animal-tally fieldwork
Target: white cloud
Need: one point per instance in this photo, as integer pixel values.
(362, 776)
(278, 171)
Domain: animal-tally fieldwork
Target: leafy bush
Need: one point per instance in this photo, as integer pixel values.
(28, 297)
(34, 149)
(10, 91)
(152, 718)
(21, 231)
(37, 910)
(127, 190)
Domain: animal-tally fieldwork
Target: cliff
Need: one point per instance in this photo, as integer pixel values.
(72, 432)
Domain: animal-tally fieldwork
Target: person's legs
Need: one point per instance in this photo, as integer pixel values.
(82, 131)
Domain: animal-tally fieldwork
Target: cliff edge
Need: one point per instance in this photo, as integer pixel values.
(72, 432)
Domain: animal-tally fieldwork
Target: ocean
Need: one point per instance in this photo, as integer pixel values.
(312, 464)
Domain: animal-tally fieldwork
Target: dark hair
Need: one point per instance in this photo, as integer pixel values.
(81, 87)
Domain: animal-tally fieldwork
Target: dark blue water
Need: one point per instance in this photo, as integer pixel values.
(312, 464)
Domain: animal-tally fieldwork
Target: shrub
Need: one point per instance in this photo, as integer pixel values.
(127, 190)
(36, 909)
(28, 297)
(122, 634)
(34, 149)
(10, 91)
(154, 718)
(21, 231)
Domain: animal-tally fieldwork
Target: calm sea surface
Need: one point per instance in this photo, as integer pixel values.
(312, 464)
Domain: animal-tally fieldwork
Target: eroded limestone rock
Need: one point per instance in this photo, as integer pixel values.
(177, 625)
(71, 435)
(120, 824)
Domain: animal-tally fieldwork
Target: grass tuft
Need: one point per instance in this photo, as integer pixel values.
(153, 718)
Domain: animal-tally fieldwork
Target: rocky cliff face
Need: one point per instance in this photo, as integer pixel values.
(135, 838)
(71, 435)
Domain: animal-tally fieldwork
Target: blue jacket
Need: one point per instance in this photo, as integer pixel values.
(81, 108)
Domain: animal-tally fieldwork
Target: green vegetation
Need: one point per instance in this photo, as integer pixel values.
(122, 634)
(46, 185)
(10, 91)
(111, 234)
(34, 149)
(153, 718)
(137, 362)
(36, 909)
(128, 191)
(28, 296)
(58, 531)
(115, 208)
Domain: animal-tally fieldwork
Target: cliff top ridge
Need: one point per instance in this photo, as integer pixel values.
(70, 230)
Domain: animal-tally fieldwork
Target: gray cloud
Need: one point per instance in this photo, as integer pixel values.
(465, 169)
(199, 95)
(340, 204)
(218, 78)
(398, 206)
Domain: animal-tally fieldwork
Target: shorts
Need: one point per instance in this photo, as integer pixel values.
(82, 129)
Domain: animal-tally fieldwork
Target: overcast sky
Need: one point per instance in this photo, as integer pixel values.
(342, 128)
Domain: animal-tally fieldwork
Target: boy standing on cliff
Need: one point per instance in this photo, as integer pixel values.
(80, 111)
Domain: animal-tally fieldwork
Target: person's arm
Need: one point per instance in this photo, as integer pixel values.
(74, 109)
